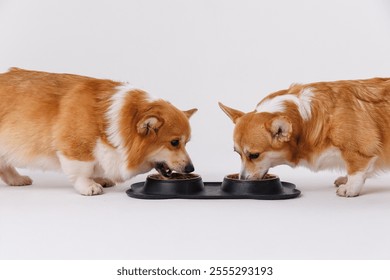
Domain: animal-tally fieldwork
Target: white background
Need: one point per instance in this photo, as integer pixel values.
(194, 54)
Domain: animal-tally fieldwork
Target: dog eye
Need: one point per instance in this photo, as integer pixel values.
(253, 156)
(175, 143)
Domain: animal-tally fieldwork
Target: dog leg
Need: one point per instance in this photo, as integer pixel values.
(104, 182)
(11, 177)
(80, 174)
(356, 178)
(341, 181)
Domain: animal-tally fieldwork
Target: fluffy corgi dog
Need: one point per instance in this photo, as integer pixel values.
(99, 132)
(326, 125)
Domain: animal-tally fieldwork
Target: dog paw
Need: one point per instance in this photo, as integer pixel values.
(104, 182)
(92, 188)
(346, 191)
(20, 181)
(341, 181)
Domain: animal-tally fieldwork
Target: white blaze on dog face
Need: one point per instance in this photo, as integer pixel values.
(262, 141)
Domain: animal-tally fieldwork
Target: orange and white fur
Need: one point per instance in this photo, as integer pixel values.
(326, 125)
(99, 132)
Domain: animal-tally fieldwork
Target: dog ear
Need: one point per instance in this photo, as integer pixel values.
(280, 128)
(190, 112)
(233, 114)
(148, 124)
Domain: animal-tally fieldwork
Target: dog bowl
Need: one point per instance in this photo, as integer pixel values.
(191, 186)
(270, 185)
(183, 184)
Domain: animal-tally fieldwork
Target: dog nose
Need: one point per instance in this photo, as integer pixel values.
(189, 168)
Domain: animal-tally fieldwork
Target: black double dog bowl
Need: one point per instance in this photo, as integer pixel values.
(191, 186)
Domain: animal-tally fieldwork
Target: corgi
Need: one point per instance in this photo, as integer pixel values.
(98, 132)
(325, 125)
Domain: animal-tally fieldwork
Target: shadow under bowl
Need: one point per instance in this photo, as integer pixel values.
(270, 185)
(176, 184)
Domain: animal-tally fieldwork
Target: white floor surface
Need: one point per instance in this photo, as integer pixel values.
(49, 220)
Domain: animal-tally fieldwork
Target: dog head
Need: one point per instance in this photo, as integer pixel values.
(151, 133)
(261, 139)
(167, 131)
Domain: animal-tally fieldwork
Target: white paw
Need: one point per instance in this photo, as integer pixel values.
(341, 181)
(346, 191)
(19, 181)
(89, 188)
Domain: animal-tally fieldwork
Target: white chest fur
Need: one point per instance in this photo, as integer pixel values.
(329, 159)
(111, 163)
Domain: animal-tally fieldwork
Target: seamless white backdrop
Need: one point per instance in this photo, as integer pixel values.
(195, 53)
